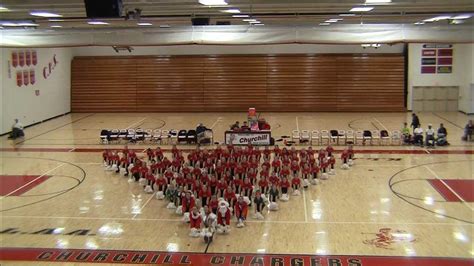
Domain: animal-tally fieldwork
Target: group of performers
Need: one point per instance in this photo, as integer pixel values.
(209, 186)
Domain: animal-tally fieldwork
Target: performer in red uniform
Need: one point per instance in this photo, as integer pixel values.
(187, 202)
(223, 216)
(205, 195)
(263, 185)
(229, 196)
(247, 189)
(329, 150)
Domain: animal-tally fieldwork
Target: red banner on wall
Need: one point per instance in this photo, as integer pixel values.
(32, 76)
(34, 58)
(19, 78)
(21, 58)
(28, 57)
(14, 59)
(26, 77)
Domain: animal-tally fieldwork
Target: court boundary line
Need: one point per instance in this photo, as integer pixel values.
(51, 130)
(130, 126)
(144, 205)
(304, 205)
(452, 123)
(27, 184)
(180, 220)
(448, 187)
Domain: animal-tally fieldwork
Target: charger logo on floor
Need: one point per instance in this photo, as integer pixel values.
(49, 231)
(386, 237)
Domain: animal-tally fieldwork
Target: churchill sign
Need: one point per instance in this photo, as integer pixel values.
(244, 138)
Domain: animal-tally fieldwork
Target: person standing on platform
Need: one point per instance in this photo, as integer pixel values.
(468, 130)
(235, 127)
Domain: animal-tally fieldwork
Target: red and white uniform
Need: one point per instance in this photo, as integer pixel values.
(195, 220)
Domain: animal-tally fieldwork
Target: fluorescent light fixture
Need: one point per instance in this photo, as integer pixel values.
(419, 23)
(258, 24)
(255, 22)
(361, 9)
(441, 18)
(462, 16)
(232, 10)
(347, 15)
(144, 24)
(97, 23)
(56, 26)
(333, 20)
(213, 2)
(165, 26)
(56, 20)
(377, 1)
(27, 24)
(324, 24)
(4, 9)
(249, 20)
(240, 16)
(456, 21)
(44, 14)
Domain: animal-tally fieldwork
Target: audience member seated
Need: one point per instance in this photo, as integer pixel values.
(418, 136)
(406, 134)
(204, 134)
(235, 127)
(200, 129)
(430, 136)
(442, 138)
(468, 130)
(17, 130)
(245, 127)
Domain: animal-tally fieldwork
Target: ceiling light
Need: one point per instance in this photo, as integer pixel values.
(213, 2)
(255, 22)
(441, 18)
(97, 23)
(56, 20)
(456, 21)
(249, 20)
(462, 17)
(258, 24)
(4, 9)
(377, 1)
(240, 16)
(232, 10)
(347, 15)
(144, 24)
(27, 24)
(324, 24)
(44, 14)
(56, 26)
(361, 9)
(9, 24)
(165, 26)
(419, 23)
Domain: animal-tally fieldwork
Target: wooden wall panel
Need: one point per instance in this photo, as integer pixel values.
(236, 82)
(103, 85)
(170, 83)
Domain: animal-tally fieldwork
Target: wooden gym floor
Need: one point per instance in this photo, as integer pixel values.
(420, 199)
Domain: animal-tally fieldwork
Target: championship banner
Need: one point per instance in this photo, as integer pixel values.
(189, 258)
(32, 76)
(28, 57)
(14, 59)
(244, 138)
(19, 78)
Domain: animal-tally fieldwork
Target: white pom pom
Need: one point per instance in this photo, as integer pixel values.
(345, 166)
(130, 166)
(351, 162)
(314, 182)
(148, 189)
(284, 197)
(305, 183)
(259, 216)
(296, 193)
(171, 206)
(142, 181)
(324, 176)
(160, 195)
(194, 233)
(273, 206)
(186, 217)
(179, 210)
(131, 179)
(246, 200)
(332, 172)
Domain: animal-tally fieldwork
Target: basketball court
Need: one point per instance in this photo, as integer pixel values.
(93, 83)
(57, 197)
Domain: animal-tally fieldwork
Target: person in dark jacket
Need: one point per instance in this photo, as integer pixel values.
(415, 121)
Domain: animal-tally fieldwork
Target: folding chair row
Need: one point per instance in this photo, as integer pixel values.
(345, 137)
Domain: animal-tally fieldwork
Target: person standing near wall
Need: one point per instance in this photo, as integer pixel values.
(17, 130)
(415, 121)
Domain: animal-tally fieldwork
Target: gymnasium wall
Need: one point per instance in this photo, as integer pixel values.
(323, 82)
(21, 102)
(462, 73)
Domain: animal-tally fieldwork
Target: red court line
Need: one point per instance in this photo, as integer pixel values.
(10, 183)
(463, 187)
(421, 152)
(443, 190)
(189, 258)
